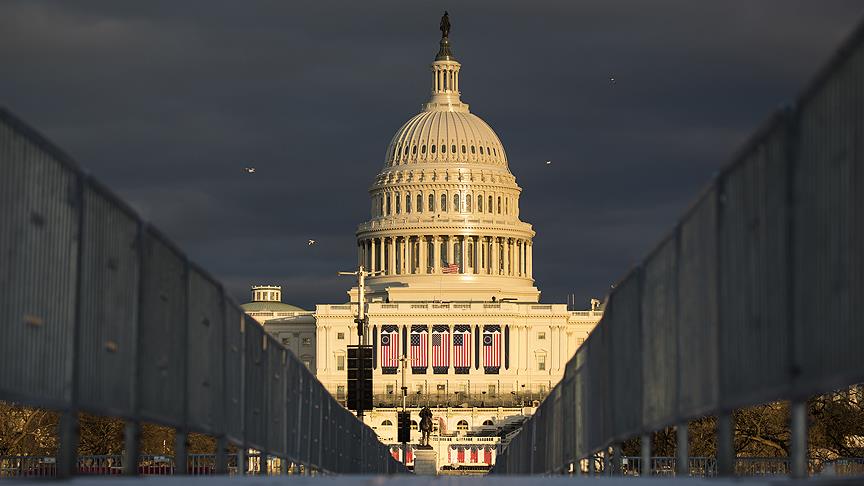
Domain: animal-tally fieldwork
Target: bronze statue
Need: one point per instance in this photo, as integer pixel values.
(445, 25)
(425, 424)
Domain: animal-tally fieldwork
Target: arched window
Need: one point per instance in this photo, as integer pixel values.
(494, 151)
(432, 148)
(388, 205)
(468, 203)
(479, 204)
(488, 152)
(489, 207)
(414, 150)
(419, 203)
(507, 206)
(406, 150)
(486, 422)
(443, 149)
(423, 149)
(481, 150)
(499, 206)
(407, 203)
(456, 202)
(473, 150)
(453, 148)
(386, 423)
(431, 203)
(462, 424)
(463, 148)
(398, 198)
(443, 203)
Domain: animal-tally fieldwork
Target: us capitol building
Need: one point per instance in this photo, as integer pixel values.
(455, 295)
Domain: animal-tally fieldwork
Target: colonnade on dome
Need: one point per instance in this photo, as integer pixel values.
(478, 254)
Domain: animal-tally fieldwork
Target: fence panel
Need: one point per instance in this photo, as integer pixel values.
(162, 332)
(622, 321)
(39, 205)
(829, 229)
(596, 390)
(107, 332)
(293, 405)
(698, 392)
(754, 326)
(660, 347)
(255, 389)
(233, 363)
(315, 421)
(206, 329)
(276, 395)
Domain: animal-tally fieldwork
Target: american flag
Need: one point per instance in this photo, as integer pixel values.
(492, 349)
(440, 349)
(419, 349)
(389, 349)
(462, 349)
(452, 268)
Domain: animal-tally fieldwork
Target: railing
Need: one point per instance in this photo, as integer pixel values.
(433, 399)
(102, 314)
(755, 296)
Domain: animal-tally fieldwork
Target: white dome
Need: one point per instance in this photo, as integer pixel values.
(445, 137)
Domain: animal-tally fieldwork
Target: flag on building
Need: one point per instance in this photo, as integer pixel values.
(389, 347)
(440, 349)
(419, 347)
(462, 347)
(452, 268)
(491, 348)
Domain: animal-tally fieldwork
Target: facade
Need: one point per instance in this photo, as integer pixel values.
(451, 296)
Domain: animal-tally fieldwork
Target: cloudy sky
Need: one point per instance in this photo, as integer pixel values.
(167, 101)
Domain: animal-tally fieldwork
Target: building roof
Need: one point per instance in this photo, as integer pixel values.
(302, 319)
(270, 306)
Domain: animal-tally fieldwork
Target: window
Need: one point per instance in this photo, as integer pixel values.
(398, 198)
(494, 151)
(340, 335)
(432, 148)
(481, 150)
(431, 203)
(419, 203)
(506, 206)
(473, 151)
(489, 207)
(488, 422)
(463, 148)
(406, 150)
(441, 388)
(541, 335)
(462, 425)
(470, 254)
(413, 425)
(468, 203)
(307, 341)
(453, 148)
(541, 362)
(286, 341)
(340, 362)
(479, 204)
(340, 392)
(414, 150)
(499, 205)
(407, 202)
(388, 205)
(456, 202)
(389, 389)
(443, 203)
(386, 423)
(423, 149)
(308, 363)
(580, 341)
(493, 389)
(443, 149)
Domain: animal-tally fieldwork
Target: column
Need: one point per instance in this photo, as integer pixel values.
(381, 263)
(391, 261)
(372, 263)
(530, 259)
(476, 240)
(436, 251)
(495, 255)
(507, 266)
(422, 247)
(464, 254)
(450, 258)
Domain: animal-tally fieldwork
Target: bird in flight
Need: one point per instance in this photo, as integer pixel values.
(548, 162)
(612, 79)
(249, 170)
(311, 242)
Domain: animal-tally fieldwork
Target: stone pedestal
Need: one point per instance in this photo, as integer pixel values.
(425, 462)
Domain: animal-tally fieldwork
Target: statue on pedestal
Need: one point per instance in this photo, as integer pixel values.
(425, 427)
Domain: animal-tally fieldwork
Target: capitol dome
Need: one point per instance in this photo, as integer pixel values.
(445, 208)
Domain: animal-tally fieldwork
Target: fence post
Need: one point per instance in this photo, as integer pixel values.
(645, 457)
(682, 463)
(221, 456)
(616, 459)
(132, 448)
(241, 460)
(725, 444)
(798, 452)
(181, 453)
(592, 468)
(68, 446)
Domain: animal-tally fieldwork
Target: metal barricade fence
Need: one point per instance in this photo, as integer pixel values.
(721, 314)
(103, 314)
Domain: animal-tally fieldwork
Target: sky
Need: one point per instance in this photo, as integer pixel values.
(166, 102)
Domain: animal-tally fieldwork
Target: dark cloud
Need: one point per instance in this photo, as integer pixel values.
(167, 101)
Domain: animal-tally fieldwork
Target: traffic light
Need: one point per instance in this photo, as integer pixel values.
(404, 427)
(359, 378)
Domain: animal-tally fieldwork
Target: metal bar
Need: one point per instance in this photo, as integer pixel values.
(725, 444)
(131, 436)
(798, 432)
(221, 459)
(645, 457)
(682, 456)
